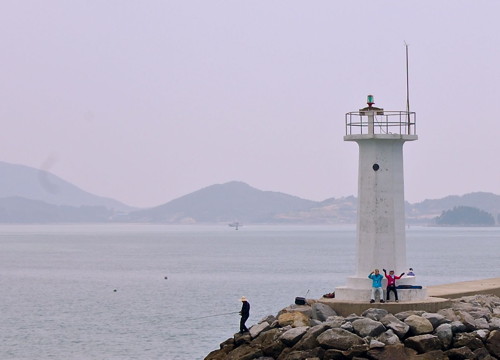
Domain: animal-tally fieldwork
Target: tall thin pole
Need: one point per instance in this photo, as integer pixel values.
(407, 90)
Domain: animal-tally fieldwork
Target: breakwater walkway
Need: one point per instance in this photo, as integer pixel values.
(438, 298)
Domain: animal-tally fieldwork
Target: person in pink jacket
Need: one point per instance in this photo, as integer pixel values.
(391, 283)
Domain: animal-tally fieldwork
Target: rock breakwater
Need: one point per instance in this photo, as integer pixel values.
(469, 329)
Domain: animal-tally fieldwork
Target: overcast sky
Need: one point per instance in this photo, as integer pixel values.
(147, 101)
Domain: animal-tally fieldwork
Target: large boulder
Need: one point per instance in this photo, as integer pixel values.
(309, 340)
(460, 353)
(469, 340)
(295, 319)
(335, 321)
(389, 338)
(435, 319)
(244, 352)
(316, 353)
(257, 329)
(445, 334)
(368, 327)
(322, 311)
(448, 314)
(404, 314)
(399, 327)
(467, 320)
(482, 323)
(423, 343)
(493, 343)
(375, 313)
(339, 339)
(457, 327)
(391, 352)
(494, 323)
(292, 336)
(304, 309)
(419, 325)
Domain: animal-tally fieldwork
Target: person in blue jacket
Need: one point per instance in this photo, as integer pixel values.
(376, 278)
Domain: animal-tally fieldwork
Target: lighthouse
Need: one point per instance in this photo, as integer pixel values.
(380, 230)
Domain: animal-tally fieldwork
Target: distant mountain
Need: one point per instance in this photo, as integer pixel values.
(30, 183)
(233, 201)
(428, 210)
(32, 195)
(21, 210)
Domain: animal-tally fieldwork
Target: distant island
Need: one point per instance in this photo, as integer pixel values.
(465, 216)
(29, 195)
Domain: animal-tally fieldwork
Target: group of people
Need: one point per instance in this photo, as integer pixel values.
(376, 278)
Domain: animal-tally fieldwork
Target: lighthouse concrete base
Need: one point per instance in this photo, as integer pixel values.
(360, 288)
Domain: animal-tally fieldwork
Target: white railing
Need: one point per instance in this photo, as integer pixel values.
(384, 122)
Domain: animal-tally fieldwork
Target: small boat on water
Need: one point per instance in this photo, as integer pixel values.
(235, 224)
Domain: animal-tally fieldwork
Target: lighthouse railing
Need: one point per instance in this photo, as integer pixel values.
(384, 122)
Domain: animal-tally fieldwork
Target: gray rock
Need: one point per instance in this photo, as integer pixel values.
(375, 313)
(399, 327)
(423, 343)
(419, 325)
(467, 320)
(482, 334)
(445, 334)
(314, 322)
(309, 340)
(352, 317)
(494, 323)
(292, 336)
(347, 326)
(448, 314)
(269, 319)
(389, 338)
(267, 337)
(482, 323)
(404, 314)
(376, 344)
(435, 319)
(339, 339)
(257, 329)
(368, 327)
(335, 321)
(458, 327)
(322, 311)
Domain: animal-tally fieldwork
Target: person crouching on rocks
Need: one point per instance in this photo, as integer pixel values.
(376, 285)
(391, 283)
(245, 313)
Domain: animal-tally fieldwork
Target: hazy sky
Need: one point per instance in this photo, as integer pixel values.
(146, 101)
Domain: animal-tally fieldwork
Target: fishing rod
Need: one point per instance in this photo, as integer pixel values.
(204, 317)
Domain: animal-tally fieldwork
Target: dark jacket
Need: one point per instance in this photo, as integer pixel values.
(245, 309)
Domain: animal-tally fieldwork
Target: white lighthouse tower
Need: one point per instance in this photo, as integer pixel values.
(381, 239)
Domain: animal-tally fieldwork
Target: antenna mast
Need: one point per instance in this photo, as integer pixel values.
(407, 90)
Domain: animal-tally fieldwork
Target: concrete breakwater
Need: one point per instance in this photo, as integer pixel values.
(467, 328)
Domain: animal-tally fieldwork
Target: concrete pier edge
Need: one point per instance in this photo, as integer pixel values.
(439, 297)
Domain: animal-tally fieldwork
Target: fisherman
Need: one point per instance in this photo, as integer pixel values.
(245, 313)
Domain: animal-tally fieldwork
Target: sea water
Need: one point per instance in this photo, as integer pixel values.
(171, 292)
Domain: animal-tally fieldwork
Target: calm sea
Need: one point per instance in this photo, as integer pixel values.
(149, 291)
